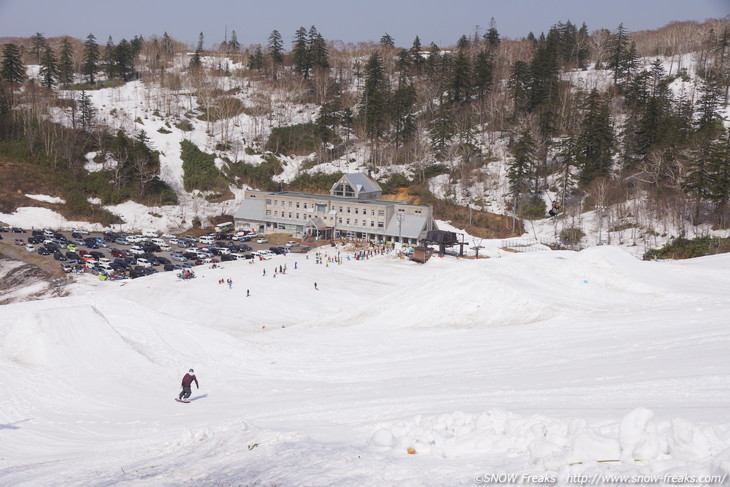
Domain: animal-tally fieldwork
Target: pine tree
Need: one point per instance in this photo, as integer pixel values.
(276, 47)
(256, 61)
(124, 60)
(91, 58)
(317, 47)
(13, 70)
(201, 39)
(619, 46)
(461, 78)
(594, 148)
(582, 46)
(109, 59)
(462, 43)
(387, 41)
(300, 53)
(416, 55)
(403, 115)
(374, 101)
(443, 129)
(519, 85)
(65, 64)
(483, 74)
(39, 44)
(234, 46)
(709, 119)
(49, 68)
(87, 112)
(491, 37)
(521, 167)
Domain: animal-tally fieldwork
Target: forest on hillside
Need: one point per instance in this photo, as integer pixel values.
(645, 132)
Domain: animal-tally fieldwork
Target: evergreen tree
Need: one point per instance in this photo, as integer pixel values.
(594, 148)
(483, 74)
(276, 47)
(124, 60)
(300, 53)
(201, 39)
(234, 46)
(709, 119)
(328, 121)
(521, 167)
(38, 46)
(256, 61)
(65, 64)
(491, 37)
(461, 79)
(462, 43)
(168, 49)
(13, 70)
(443, 129)
(403, 115)
(619, 46)
(196, 62)
(91, 58)
(519, 85)
(317, 47)
(375, 96)
(387, 41)
(582, 46)
(545, 72)
(49, 68)
(416, 56)
(403, 62)
(109, 59)
(87, 112)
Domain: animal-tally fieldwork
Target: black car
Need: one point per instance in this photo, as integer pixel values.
(162, 260)
(168, 267)
(76, 235)
(277, 250)
(42, 251)
(18, 230)
(150, 247)
(227, 257)
(110, 236)
(96, 255)
(71, 255)
(136, 272)
(91, 244)
(35, 240)
(59, 256)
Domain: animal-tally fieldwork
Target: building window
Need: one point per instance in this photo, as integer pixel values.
(305, 206)
(380, 224)
(356, 209)
(290, 204)
(372, 212)
(339, 220)
(348, 221)
(340, 209)
(268, 202)
(321, 207)
(372, 223)
(283, 203)
(268, 213)
(348, 209)
(401, 210)
(418, 212)
(297, 204)
(355, 221)
(297, 216)
(381, 212)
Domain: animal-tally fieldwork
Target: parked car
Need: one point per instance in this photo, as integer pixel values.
(292, 243)
(116, 253)
(19, 241)
(18, 230)
(73, 247)
(59, 256)
(70, 255)
(262, 240)
(136, 250)
(30, 248)
(67, 267)
(228, 257)
(96, 255)
(122, 241)
(162, 260)
(43, 251)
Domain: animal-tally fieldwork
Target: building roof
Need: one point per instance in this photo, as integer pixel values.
(362, 183)
(412, 226)
(342, 199)
(252, 208)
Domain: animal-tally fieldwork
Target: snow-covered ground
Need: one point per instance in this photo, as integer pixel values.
(548, 363)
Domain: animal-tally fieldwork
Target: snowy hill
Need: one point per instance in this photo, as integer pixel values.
(549, 363)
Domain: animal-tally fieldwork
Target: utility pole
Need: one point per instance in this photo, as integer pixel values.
(600, 209)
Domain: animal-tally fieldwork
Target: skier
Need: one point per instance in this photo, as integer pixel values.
(555, 209)
(186, 383)
(315, 287)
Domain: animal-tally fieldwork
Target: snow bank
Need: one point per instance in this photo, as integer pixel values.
(45, 198)
(637, 443)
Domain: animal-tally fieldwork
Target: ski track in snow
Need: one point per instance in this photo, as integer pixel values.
(533, 363)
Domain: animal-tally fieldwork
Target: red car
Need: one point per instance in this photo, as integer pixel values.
(117, 253)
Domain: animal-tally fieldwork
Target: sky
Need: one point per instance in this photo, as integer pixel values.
(433, 21)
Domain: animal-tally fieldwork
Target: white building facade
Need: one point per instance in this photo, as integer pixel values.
(353, 209)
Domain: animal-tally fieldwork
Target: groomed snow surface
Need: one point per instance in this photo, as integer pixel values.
(553, 364)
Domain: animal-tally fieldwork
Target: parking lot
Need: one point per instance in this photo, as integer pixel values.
(120, 256)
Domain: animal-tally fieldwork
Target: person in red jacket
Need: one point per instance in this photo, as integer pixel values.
(187, 381)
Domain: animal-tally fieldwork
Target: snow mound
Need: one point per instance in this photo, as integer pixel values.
(637, 443)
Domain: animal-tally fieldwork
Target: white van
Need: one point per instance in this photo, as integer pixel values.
(164, 247)
(150, 233)
(158, 241)
(207, 239)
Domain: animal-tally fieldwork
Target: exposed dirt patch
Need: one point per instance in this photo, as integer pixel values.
(47, 267)
(17, 180)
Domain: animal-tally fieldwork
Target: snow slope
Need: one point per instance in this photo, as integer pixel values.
(545, 363)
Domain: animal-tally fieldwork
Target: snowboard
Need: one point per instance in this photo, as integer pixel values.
(182, 400)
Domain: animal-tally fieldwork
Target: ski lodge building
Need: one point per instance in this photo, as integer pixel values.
(353, 209)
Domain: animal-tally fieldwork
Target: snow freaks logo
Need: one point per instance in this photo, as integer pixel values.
(598, 478)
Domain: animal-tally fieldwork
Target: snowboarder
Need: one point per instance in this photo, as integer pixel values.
(315, 287)
(248, 293)
(187, 381)
(555, 209)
